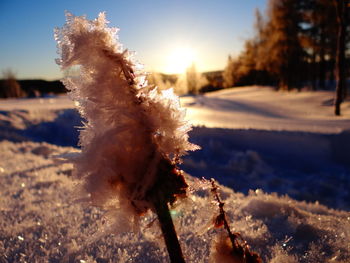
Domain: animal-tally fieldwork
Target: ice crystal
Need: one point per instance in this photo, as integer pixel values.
(131, 130)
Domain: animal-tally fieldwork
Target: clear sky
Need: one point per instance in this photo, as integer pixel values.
(166, 35)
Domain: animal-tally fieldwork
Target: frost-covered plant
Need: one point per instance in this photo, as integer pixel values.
(133, 134)
(229, 247)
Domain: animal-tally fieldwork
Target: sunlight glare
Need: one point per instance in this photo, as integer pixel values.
(179, 60)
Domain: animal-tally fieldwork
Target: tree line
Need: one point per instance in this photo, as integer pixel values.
(10, 87)
(294, 46)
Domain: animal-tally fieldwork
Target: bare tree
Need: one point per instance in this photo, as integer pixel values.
(229, 72)
(194, 80)
(9, 87)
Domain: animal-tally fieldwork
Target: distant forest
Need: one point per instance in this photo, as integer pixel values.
(294, 46)
(11, 88)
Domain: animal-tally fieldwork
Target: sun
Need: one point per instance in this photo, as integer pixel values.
(179, 59)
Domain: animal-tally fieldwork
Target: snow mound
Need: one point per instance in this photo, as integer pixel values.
(56, 126)
(306, 166)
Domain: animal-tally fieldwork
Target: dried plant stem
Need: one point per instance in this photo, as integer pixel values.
(240, 249)
(169, 232)
(163, 192)
(221, 219)
(170, 183)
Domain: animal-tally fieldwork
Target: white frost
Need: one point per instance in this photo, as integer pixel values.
(129, 126)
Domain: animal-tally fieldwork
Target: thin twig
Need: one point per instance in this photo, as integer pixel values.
(240, 250)
(221, 218)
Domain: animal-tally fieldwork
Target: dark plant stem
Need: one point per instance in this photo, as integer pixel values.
(169, 232)
(170, 182)
(222, 215)
(240, 250)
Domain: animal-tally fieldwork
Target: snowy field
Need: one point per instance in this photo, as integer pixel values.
(254, 108)
(282, 160)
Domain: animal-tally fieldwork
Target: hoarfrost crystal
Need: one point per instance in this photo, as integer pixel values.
(133, 134)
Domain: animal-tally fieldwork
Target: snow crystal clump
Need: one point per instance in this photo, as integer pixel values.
(131, 130)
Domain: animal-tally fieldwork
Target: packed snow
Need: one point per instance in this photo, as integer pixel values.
(281, 160)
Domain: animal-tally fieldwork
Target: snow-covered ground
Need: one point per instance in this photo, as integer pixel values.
(252, 108)
(289, 143)
(259, 144)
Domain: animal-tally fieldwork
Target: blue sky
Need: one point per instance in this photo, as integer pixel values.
(153, 29)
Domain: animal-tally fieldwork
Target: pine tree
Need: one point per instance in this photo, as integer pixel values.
(284, 53)
(342, 10)
(319, 33)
